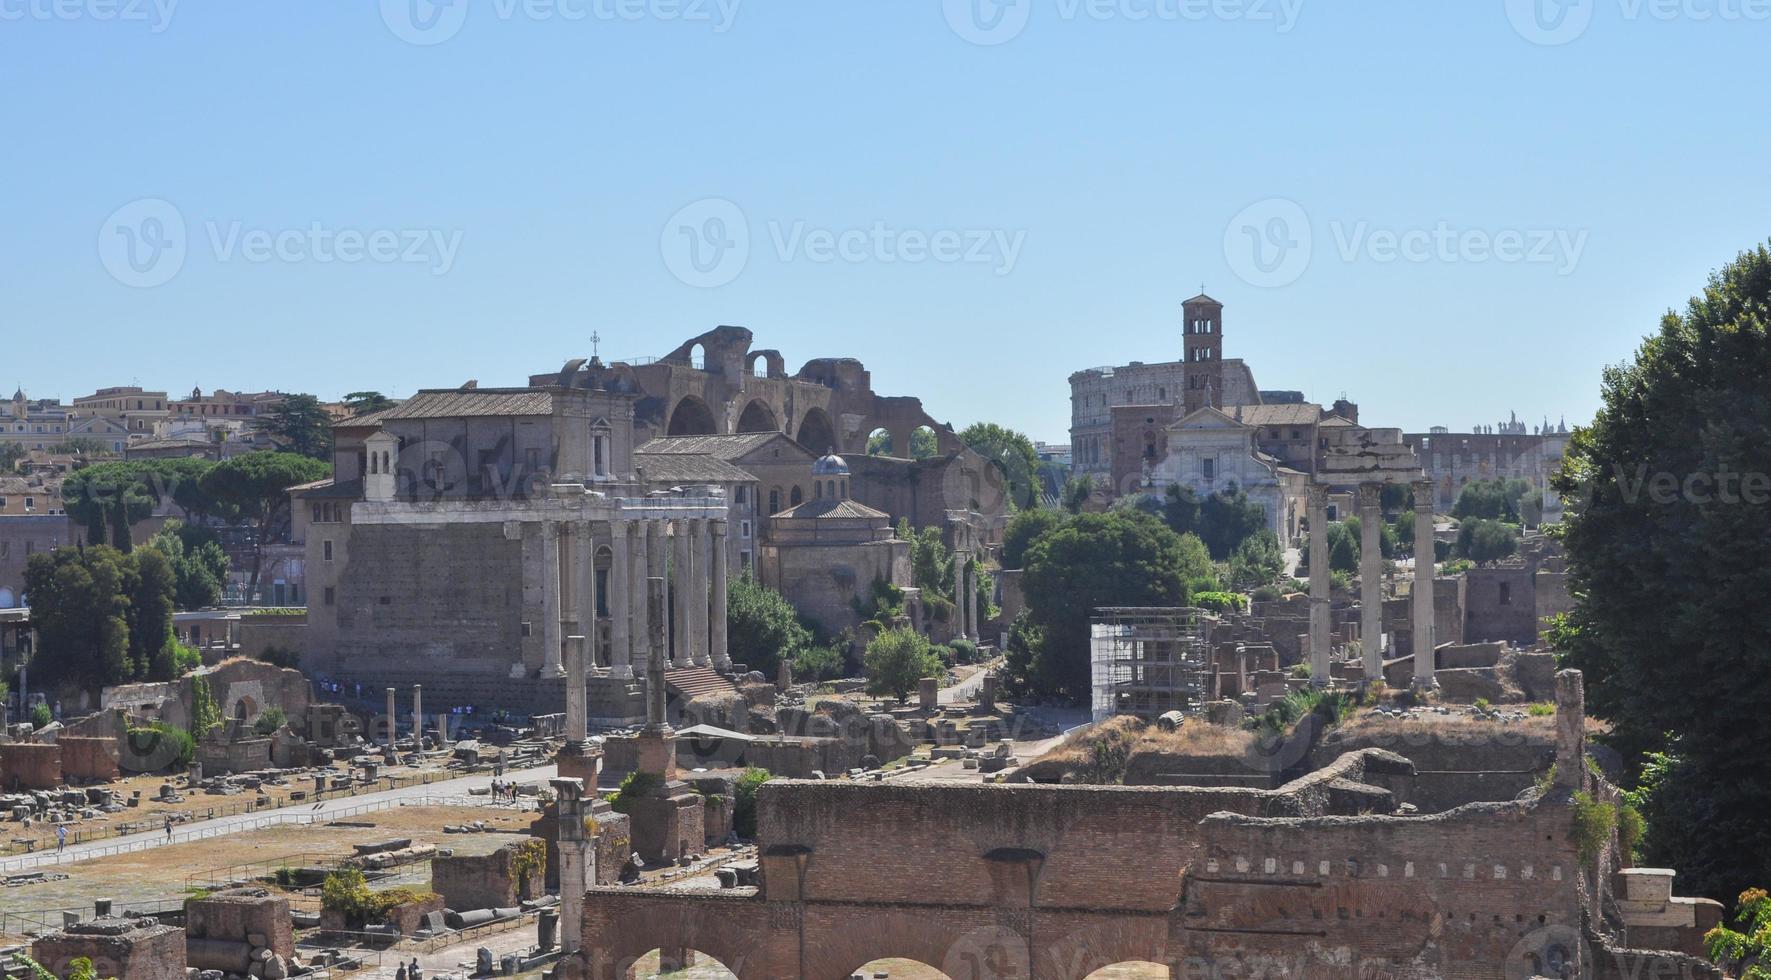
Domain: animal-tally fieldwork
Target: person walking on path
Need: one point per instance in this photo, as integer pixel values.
(61, 837)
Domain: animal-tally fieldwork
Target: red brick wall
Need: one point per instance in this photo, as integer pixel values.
(89, 759)
(29, 765)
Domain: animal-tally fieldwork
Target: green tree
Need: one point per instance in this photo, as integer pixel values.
(744, 790)
(1745, 952)
(1222, 520)
(299, 425)
(1484, 541)
(762, 628)
(364, 402)
(1665, 542)
(79, 606)
(199, 566)
(1120, 558)
(1012, 453)
(896, 660)
(11, 455)
(1343, 548)
(151, 585)
(1023, 529)
(256, 487)
(1257, 561)
(108, 499)
(1077, 492)
(931, 564)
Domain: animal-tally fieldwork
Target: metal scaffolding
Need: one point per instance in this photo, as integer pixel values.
(1147, 661)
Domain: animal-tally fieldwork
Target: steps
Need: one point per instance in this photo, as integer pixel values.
(689, 683)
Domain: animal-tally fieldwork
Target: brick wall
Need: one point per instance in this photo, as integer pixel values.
(89, 759)
(30, 765)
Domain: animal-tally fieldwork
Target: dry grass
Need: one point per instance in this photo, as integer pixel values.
(1195, 738)
(1365, 721)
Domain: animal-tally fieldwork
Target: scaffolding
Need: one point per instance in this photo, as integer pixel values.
(1147, 661)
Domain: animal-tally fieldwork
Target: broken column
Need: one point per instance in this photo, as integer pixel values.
(987, 693)
(418, 716)
(392, 721)
(550, 598)
(1320, 669)
(928, 693)
(656, 749)
(1425, 661)
(577, 859)
(716, 636)
(1571, 723)
(1371, 585)
(577, 730)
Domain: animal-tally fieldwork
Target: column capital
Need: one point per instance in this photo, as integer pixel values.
(720, 526)
(1318, 494)
(1370, 495)
(1424, 486)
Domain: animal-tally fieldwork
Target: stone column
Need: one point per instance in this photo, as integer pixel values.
(550, 598)
(1570, 730)
(392, 721)
(1371, 585)
(1425, 664)
(620, 603)
(577, 724)
(716, 634)
(655, 662)
(657, 556)
(418, 716)
(577, 861)
(960, 628)
(700, 546)
(679, 595)
(584, 587)
(1320, 669)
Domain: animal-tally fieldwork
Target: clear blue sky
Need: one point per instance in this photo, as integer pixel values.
(1082, 177)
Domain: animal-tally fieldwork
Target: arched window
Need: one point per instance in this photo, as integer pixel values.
(775, 501)
(818, 490)
(831, 487)
(797, 498)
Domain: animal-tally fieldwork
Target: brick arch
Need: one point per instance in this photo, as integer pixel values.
(1071, 947)
(900, 934)
(620, 929)
(817, 432)
(758, 417)
(690, 416)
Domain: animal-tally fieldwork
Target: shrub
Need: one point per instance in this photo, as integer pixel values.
(896, 660)
(1482, 704)
(269, 720)
(278, 656)
(819, 663)
(1594, 823)
(1541, 709)
(1630, 827)
(81, 968)
(744, 801)
(162, 741)
(964, 651)
(1266, 593)
(1221, 602)
(41, 716)
(346, 892)
(635, 785)
(1747, 952)
(530, 857)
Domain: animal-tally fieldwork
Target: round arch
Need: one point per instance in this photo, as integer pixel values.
(691, 417)
(245, 709)
(758, 417)
(1131, 970)
(817, 432)
(669, 962)
(6, 599)
(924, 442)
(881, 443)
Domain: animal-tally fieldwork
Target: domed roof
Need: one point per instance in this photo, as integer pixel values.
(830, 464)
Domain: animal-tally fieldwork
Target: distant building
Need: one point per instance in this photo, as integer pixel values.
(41, 424)
(136, 408)
(32, 520)
(222, 403)
(1509, 450)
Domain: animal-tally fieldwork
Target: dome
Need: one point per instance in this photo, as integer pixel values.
(830, 465)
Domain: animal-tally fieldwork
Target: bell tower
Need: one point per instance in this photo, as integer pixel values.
(1202, 351)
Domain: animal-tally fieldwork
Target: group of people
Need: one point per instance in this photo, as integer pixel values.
(413, 972)
(504, 791)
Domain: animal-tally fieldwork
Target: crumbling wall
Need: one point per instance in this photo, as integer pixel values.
(90, 759)
(30, 765)
(239, 921)
(486, 881)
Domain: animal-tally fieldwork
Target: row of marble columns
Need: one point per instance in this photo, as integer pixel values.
(965, 597)
(689, 554)
(1371, 628)
(390, 724)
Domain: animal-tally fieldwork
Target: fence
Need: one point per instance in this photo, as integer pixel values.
(17, 923)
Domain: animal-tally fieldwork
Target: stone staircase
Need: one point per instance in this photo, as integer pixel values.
(689, 683)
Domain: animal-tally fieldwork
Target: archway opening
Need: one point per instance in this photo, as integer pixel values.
(923, 443)
(245, 709)
(757, 417)
(692, 417)
(680, 964)
(1131, 970)
(898, 969)
(816, 432)
(698, 357)
(879, 443)
(6, 599)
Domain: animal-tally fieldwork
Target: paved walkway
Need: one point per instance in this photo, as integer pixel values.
(306, 813)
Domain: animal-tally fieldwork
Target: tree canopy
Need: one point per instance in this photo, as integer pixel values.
(255, 486)
(1010, 452)
(300, 425)
(102, 616)
(896, 660)
(1667, 515)
(1120, 558)
(762, 627)
(1222, 520)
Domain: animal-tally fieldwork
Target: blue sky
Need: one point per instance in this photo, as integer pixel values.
(1446, 210)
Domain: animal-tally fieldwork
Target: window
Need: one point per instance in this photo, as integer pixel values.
(526, 629)
(744, 530)
(1209, 467)
(331, 595)
(599, 451)
(796, 498)
(1506, 594)
(744, 560)
(742, 494)
(328, 548)
(602, 593)
(774, 501)
(30, 503)
(817, 490)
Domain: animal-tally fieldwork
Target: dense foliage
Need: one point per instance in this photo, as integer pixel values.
(256, 488)
(1013, 455)
(102, 617)
(1666, 523)
(1222, 520)
(199, 566)
(300, 425)
(1512, 501)
(896, 660)
(762, 628)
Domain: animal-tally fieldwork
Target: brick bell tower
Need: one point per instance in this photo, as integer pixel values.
(1203, 351)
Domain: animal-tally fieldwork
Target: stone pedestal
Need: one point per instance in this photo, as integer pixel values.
(656, 751)
(668, 823)
(928, 693)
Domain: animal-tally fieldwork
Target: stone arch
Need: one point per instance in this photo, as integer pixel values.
(882, 442)
(621, 931)
(691, 417)
(698, 356)
(817, 432)
(925, 442)
(758, 417)
(772, 364)
(244, 709)
(961, 946)
(665, 962)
